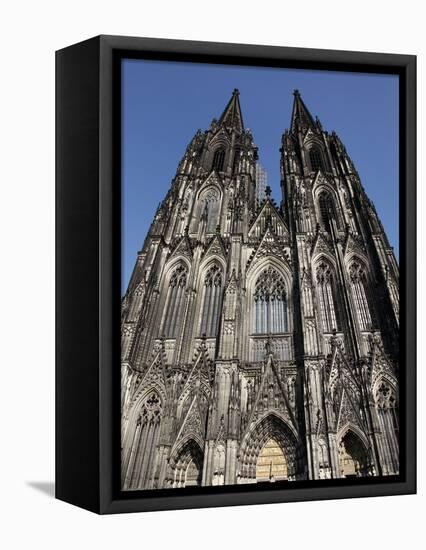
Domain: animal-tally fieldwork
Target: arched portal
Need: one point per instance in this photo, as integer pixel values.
(270, 440)
(187, 468)
(353, 458)
(271, 463)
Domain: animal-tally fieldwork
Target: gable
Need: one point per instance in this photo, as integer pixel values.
(354, 246)
(215, 247)
(321, 245)
(182, 248)
(272, 393)
(220, 137)
(268, 217)
(270, 246)
(212, 180)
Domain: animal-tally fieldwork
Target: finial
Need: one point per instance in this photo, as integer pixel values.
(296, 93)
(268, 191)
(236, 91)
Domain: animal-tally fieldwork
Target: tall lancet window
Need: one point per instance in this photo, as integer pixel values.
(326, 210)
(145, 440)
(315, 158)
(175, 301)
(358, 286)
(218, 159)
(325, 282)
(212, 301)
(387, 411)
(270, 303)
(237, 156)
(211, 202)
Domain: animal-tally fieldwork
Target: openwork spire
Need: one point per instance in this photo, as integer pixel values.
(301, 118)
(232, 116)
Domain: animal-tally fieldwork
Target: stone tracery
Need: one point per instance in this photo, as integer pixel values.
(270, 299)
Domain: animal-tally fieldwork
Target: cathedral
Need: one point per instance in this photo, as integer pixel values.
(260, 339)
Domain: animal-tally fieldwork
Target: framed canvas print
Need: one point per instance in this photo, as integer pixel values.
(235, 274)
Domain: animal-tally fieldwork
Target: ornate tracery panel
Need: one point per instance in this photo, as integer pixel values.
(358, 281)
(212, 301)
(326, 301)
(175, 301)
(270, 303)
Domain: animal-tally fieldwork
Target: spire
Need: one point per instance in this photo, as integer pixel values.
(232, 116)
(301, 117)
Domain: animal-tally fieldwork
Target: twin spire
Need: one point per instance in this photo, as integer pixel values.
(300, 118)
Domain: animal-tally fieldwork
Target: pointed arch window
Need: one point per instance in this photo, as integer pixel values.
(315, 159)
(237, 155)
(270, 303)
(145, 441)
(212, 301)
(326, 210)
(210, 203)
(175, 301)
(326, 302)
(387, 411)
(358, 287)
(219, 159)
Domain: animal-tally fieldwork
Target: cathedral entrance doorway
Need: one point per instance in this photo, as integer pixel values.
(268, 452)
(353, 458)
(271, 463)
(188, 466)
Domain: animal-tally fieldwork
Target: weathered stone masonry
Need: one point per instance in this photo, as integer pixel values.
(260, 341)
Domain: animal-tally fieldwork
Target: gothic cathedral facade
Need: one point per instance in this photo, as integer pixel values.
(260, 340)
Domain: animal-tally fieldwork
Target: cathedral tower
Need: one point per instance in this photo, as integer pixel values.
(259, 342)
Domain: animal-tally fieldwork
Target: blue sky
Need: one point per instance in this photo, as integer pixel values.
(164, 103)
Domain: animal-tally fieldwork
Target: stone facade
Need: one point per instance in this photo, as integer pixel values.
(260, 341)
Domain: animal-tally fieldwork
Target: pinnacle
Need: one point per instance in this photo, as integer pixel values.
(232, 115)
(301, 118)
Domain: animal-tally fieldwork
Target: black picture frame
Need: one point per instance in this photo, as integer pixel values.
(88, 271)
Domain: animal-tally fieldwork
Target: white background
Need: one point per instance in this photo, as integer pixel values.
(30, 33)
